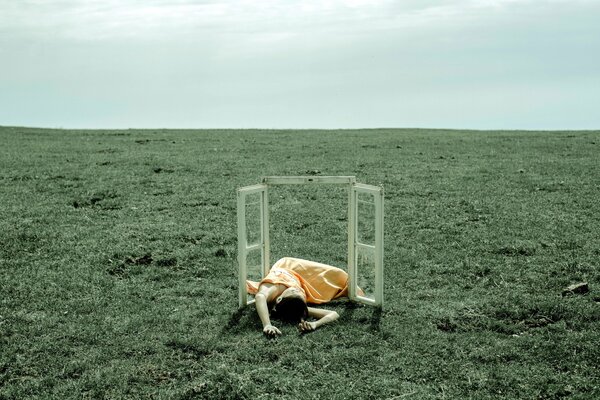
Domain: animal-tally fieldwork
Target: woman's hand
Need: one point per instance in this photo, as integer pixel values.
(270, 331)
(306, 326)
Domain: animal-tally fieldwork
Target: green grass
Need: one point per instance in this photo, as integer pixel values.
(118, 265)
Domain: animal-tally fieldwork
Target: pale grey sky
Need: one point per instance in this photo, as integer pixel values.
(498, 64)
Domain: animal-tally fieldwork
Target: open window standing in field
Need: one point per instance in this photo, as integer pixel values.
(286, 288)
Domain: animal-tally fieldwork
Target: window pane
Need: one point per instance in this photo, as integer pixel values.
(365, 272)
(254, 265)
(366, 218)
(253, 207)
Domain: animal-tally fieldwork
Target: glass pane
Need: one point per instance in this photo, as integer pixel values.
(365, 272)
(253, 207)
(365, 218)
(254, 265)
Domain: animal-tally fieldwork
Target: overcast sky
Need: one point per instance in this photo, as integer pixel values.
(498, 64)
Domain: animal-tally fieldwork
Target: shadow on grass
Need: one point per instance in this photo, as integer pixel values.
(349, 308)
(375, 319)
(348, 313)
(245, 319)
(242, 320)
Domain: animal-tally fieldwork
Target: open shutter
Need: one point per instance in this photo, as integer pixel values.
(253, 237)
(365, 244)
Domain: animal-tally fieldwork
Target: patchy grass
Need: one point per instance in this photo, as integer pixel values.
(118, 270)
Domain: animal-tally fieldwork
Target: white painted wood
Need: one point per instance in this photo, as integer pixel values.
(379, 227)
(352, 230)
(264, 228)
(244, 248)
(366, 300)
(302, 180)
(377, 193)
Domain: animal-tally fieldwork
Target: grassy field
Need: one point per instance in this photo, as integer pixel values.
(118, 265)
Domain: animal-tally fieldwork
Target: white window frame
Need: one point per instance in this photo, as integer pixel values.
(354, 189)
(354, 244)
(244, 248)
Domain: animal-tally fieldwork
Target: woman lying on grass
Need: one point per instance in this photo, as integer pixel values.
(290, 285)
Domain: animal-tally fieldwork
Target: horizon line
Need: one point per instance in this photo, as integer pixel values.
(299, 129)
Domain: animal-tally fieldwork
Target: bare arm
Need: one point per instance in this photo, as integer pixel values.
(265, 292)
(323, 317)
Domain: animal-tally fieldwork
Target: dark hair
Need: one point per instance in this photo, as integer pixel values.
(290, 309)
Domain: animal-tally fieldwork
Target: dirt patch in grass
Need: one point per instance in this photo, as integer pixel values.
(122, 266)
(492, 323)
(188, 349)
(104, 200)
(518, 318)
(515, 250)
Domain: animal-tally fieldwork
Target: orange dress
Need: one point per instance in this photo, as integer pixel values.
(319, 282)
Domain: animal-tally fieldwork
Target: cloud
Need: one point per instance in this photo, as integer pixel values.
(296, 63)
(267, 21)
(150, 20)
